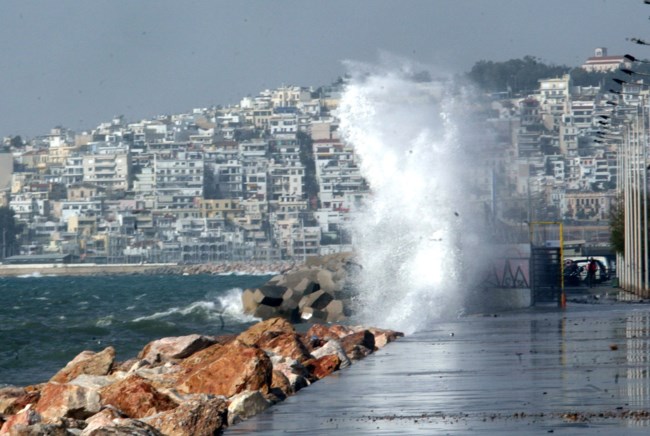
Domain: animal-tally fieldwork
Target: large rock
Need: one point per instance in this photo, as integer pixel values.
(323, 366)
(94, 382)
(24, 418)
(9, 396)
(236, 369)
(136, 397)
(245, 405)
(173, 348)
(67, 401)
(358, 345)
(295, 372)
(284, 344)
(198, 415)
(202, 358)
(280, 385)
(333, 347)
(86, 362)
(383, 337)
(255, 332)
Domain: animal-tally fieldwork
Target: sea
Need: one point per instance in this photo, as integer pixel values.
(45, 321)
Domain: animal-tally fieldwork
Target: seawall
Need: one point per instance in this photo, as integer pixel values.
(82, 269)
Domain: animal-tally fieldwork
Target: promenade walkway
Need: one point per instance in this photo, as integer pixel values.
(583, 369)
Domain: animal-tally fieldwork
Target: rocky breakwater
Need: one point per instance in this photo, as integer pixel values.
(317, 291)
(189, 385)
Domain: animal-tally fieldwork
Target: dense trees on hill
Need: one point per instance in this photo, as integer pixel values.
(521, 76)
(515, 75)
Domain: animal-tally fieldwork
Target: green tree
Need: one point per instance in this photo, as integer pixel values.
(515, 75)
(617, 227)
(9, 232)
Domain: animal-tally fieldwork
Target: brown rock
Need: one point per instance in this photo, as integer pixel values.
(136, 397)
(86, 362)
(323, 366)
(202, 357)
(237, 368)
(166, 349)
(284, 344)
(253, 334)
(281, 383)
(352, 344)
(9, 397)
(25, 417)
(67, 401)
(320, 331)
(199, 415)
(383, 337)
(31, 396)
(341, 331)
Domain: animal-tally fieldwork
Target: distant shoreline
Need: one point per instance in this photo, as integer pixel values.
(90, 269)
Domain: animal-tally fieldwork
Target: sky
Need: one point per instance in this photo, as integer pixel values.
(77, 63)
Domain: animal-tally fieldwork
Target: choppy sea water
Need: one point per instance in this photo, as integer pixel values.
(47, 321)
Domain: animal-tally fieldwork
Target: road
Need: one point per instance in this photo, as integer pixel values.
(542, 370)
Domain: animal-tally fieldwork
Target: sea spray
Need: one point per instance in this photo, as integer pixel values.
(415, 233)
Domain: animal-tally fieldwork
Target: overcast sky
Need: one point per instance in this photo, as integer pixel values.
(77, 63)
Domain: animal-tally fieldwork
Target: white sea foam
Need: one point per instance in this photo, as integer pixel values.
(410, 234)
(227, 305)
(105, 321)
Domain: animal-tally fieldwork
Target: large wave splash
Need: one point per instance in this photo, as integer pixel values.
(414, 234)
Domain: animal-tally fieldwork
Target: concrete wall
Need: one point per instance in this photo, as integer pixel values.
(78, 269)
(503, 299)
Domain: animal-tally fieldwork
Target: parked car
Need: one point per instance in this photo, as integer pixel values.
(602, 273)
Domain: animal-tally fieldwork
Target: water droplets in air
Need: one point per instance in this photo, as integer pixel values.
(410, 232)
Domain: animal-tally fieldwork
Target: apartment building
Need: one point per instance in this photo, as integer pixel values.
(110, 171)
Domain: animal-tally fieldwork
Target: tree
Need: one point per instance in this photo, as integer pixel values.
(617, 227)
(515, 75)
(16, 142)
(9, 232)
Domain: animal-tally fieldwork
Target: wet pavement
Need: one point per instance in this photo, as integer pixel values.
(583, 369)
